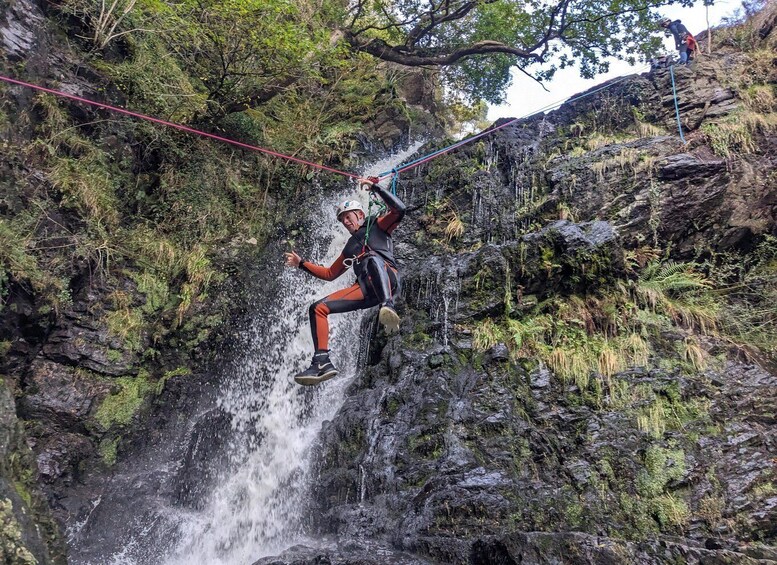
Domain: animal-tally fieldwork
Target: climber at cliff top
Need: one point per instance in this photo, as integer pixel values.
(684, 42)
(370, 251)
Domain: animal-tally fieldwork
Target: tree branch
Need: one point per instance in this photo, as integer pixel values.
(382, 50)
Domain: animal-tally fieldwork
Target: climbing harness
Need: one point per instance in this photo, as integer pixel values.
(676, 106)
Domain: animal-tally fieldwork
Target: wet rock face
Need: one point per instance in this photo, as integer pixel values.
(454, 462)
(20, 23)
(28, 533)
(59, 395)
(460, 456)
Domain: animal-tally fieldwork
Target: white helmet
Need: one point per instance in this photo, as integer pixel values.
(349, 205)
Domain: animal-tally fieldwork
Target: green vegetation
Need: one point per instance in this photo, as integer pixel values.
(12, 549)
(663, 466)
(749, 296)
(119, 408)
(179, 372)
(478, 44)
(443, 226)
(753, 78)
(109, 450)
(607, 332)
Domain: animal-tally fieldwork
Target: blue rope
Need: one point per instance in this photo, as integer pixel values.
(394, 180)
(556, 104)
(676, 106)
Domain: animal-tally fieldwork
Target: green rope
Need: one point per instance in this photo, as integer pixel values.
(380, 208)
(380, 205)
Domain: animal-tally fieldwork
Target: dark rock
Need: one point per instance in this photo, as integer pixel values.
(27, 513)
(60, 395)
(686, 165)
(78, 341)
(58, 456)
(200, 466)
(350, 553)
(436, 361)
(19, 28)
(498, 353)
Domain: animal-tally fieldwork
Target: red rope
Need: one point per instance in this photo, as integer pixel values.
(177, 126)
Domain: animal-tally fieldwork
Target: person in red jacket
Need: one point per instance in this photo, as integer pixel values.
(684, 42)
(370, 251)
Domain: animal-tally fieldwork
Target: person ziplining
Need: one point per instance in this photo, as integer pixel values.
(370, 251)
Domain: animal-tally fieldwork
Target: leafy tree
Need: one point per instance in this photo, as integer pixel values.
(243, 52)
(479, 42)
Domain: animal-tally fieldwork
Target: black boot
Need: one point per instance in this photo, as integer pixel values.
(380, 285)
(320, 370)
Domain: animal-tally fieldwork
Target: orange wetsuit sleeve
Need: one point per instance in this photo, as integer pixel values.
(326, 273)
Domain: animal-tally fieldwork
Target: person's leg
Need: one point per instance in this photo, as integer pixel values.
(683, 55)
(383, 282)
(380, 280)
(345, 300)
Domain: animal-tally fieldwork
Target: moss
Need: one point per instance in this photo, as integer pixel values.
(428, 445)
(392, 407)
(669, 411)
(636, 516)
(108, 451)
(574, 513)
(12, 549)
(114, 355)
(669, 510)
(605, 469)
(661, 467)
(710, 510)
(155, 290)
(20, 486)
(129, 325)
(418, 340)
(178, 372)
(119, 408)
(764, 490)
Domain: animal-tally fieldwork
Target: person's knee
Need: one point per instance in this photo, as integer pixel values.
(318, 309)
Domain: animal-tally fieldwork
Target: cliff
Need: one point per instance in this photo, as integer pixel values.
(576, 381)
(585, 371)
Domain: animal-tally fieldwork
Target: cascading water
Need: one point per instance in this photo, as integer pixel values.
(255, 504)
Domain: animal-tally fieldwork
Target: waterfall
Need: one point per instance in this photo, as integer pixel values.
(252, 510)
(255, 507)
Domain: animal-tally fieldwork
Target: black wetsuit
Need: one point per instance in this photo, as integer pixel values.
(372, 258)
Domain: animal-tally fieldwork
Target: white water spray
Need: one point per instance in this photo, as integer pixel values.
(254, 510)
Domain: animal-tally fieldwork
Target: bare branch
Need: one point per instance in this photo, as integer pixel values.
(382, 50)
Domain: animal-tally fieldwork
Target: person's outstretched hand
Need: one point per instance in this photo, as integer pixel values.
(370, 183)
(292, 259)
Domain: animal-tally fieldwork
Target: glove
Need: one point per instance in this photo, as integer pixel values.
(373, 184)
(374, 181)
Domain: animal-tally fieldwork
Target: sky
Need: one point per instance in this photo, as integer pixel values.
(525, 96)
